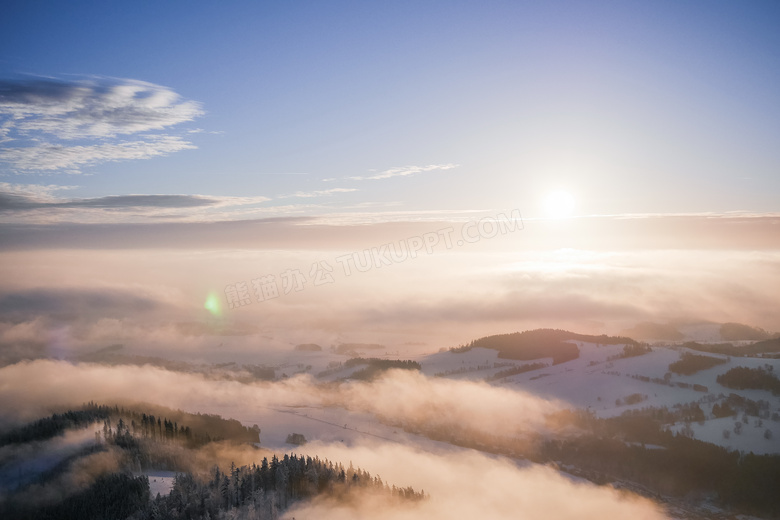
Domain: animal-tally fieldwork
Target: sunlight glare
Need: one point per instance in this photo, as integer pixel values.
(559, 204)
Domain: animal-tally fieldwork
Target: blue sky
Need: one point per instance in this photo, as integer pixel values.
(313, 108)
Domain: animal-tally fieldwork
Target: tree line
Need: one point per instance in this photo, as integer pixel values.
(148, 441)
(689, 364)
(540, 343)
(760, 378)
(211, 427)
(375, 366)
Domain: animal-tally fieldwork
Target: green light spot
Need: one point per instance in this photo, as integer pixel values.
(212, 304)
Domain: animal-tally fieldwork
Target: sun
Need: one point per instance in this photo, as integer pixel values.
(559, 204)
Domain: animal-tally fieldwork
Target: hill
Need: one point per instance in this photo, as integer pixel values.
(82, 484)
(768, 346)
(541, 343)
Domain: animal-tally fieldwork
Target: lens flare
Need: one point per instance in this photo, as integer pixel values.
(212, 304)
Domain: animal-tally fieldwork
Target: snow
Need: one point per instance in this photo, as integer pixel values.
(750, 439)
(474, 364)
(160, 482)
(326, 425)
(594, 382)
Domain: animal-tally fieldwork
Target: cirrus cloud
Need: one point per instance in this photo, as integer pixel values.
(45, 115)
(400, 171)
(49, 157)
(316, 193)
(94, 108)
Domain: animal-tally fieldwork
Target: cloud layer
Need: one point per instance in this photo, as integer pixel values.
(444, 298)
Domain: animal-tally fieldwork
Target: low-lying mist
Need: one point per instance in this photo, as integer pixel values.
(154, 301)
(467, 484)
(461, 483)
(31, 389)
(21, 463)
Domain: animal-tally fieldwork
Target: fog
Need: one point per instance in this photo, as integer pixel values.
(65, 302)
(174, 301)
(20, 464)
(408, 397)
(79, 475)
(461, 483)
(467, 485)
(31, 389)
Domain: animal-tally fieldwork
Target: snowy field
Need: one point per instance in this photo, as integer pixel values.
(598, 380)
(160, 482)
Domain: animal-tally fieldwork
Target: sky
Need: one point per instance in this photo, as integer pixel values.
(279, 108)
(155, 155)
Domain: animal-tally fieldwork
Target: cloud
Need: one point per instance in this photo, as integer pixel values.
(56, 320)
(44, 115)
(26, 202)
(91, 108)
(13, 202)
(401, 171)
(75, 476)
(22, 463)
(469, 407)
(400, 397)
(27, 196)
(442, 298)
(74, 302)
(317, 193)
(466, 485)
(532, 304)
(43, 191)
(461, 483)
(49, 157)
(141, 201)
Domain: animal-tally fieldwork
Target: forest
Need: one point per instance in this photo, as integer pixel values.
(768, 348)
(689, 364)
(540, 343)
(141, 442)
(639, 447)
(375, 366)
(760, 378)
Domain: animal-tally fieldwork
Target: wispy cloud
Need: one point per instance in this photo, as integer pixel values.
(37, 191)
(316, 193)
(49, 157)
(44, 115)
(34, 203)
(400, 171)
(14, 202)
(93, 108)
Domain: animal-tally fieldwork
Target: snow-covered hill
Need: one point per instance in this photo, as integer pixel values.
(602, 381)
